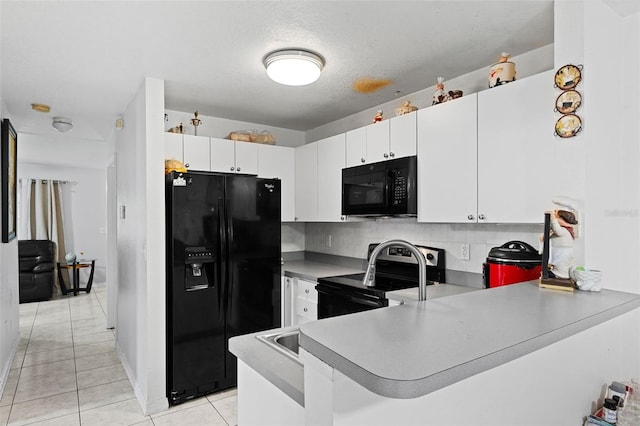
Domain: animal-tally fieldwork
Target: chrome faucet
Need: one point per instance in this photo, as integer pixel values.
(370, 276)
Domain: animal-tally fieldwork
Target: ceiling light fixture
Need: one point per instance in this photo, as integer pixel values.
(62, 124)
(293, 67)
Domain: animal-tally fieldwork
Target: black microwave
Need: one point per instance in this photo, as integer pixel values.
(387, 188)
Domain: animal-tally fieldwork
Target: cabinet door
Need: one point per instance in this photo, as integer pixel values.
(402, 135)
(447, 161)
(222, 155)
(307, 182)
(521, 165)
(196, 152)
(279, 162)
(356, 147)
(331, 161)
(378, 141)
(246, 158)
(173, 146)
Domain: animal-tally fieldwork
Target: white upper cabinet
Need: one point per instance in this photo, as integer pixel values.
(447, 162)
(356, 147)
(223, 155)
(196, 152)
(306, 190)
(228, 156)
(279, 162)
(247, 158)
(381, 141)
(521, 165)
(331, 161)
(377, 141)
(173, 146)
(402, 135)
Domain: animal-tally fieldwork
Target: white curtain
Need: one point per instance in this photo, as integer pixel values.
(40, 213)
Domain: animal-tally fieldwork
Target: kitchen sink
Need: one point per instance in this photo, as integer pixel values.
(285, 342)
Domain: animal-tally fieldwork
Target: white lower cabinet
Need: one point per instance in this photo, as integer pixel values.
(305, 301)
(260, 402)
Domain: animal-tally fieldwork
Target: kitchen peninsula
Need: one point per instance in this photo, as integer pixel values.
(511, 355)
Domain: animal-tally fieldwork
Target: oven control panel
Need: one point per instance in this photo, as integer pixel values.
(400, 254)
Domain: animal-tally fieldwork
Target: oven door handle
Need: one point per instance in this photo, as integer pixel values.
(373, 302)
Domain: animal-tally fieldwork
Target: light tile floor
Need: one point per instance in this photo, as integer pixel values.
(66, 372)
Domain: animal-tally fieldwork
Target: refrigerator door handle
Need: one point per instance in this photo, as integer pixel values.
(222, 254)
(229, 232)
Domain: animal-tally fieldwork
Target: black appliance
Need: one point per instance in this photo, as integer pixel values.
(223, 274)
(387, 188)
(396, 269)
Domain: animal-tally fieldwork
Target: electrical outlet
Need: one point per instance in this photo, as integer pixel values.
(464, 251)
(327, 240)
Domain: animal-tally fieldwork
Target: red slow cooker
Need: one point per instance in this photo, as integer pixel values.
(512, 262)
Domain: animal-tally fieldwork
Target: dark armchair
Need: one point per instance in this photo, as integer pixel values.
(36, 262)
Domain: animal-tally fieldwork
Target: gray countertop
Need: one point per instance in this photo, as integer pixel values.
(411, 350)
(435, 291)
(312, 270)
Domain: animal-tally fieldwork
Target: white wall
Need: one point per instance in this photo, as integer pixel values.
(64, 150)
(85, 208)
(221, 127)
(9, 316)
(141, 247)
(611, 132)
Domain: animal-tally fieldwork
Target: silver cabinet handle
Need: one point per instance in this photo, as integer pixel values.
(295, 218)
(386, 155)
(470, 217)
(391, 154)
(232, 168)
(306, 310)
(238, 168)
(187, 165)
(343, 218)
(362, 160)
(481, 217)
(306, 290)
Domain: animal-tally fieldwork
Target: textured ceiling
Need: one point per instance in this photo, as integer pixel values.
(87, 59)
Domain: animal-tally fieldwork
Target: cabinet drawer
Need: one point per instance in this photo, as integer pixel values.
(306, 308)
(307, 290)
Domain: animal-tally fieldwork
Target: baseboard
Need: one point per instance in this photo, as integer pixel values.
(148, 407)
(6, 368)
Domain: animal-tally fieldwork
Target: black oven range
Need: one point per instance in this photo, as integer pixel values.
(396, 269)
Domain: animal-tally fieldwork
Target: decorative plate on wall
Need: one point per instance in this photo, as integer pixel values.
(568, 126)
(568, 76)
(568, 101)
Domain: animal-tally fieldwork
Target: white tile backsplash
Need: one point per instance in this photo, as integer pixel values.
(351, 239)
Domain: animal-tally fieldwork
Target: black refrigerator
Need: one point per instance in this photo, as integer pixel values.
(223, 274)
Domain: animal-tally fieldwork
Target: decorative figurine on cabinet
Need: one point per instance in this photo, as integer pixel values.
(406, 108)
(502, 72)
(378, 116)
(195, 121)
(440, 95)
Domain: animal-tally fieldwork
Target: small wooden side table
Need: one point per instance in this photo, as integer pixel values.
(75, 274)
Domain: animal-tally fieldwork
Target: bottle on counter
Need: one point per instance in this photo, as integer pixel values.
(610, 410)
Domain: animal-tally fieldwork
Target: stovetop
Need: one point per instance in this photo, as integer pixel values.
(396, 269)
